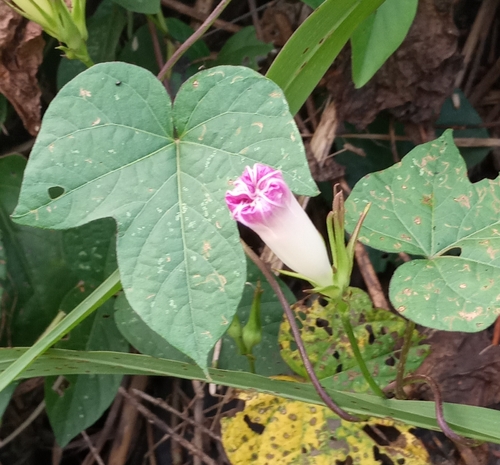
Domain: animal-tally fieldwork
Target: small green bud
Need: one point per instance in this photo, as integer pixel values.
(252, 331)
(235, 331)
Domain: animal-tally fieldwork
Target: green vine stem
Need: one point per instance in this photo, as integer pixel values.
(346, 323)
(399, 391)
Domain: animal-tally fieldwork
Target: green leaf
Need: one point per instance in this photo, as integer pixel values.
(111, 140)
(475, 422)
(5, 397)
(464, 115)
(311, 50)
(379, 36)
(378, 332)
(35, 262)
(84, 400)
(426, 206)
(181, 32)
(104, 27)
(313, 3)
(268, 361)
(243, 48)
(148, 7)
(90, 249)
(141, 336)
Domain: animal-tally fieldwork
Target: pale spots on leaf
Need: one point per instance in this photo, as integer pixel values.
(85, 93)
(96, 122)
(492, 252)
(51, 147)
(203, 131)
(206, 250)
(207, 334)
(292, 137)
(397, 245)
(469, 316)
(379, 197)
(405, 237)
(217, 225)
(243, 151)
(488, 286)
(443, 180)
(407, 291)
(401, 309)
(215, 278)
(463, 286)
(238, 131)
(428, 200)
(214, 73)
(463, 200)
(427, 296)
(259, 125)
(417, 220)
(236, 79)
(275, 94)
(195, 84)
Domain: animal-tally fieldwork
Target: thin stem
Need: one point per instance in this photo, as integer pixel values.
(106, 290)
(346, 322)
(193, 38)
(251, 362)
(438, 401)
(296, 334)
(399, 391)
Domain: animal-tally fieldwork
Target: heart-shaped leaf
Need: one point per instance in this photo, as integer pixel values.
(426, 206)
(112, 145)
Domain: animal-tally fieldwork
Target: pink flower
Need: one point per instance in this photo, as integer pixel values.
(262, 201)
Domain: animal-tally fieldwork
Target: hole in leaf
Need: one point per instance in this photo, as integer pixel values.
(376, 436)
(371, 336)
(255, 427)
(336, 354)
(390, 432)
(455, 252)
(391, 361)
(322, 323)
(339, 368)
(383, 458)
(55, 192)
(347, 461)
(322, 301)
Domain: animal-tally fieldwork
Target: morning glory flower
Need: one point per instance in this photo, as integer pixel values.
(262, 201)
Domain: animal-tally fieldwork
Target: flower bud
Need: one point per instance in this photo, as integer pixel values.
(66, 24)
(262, 201)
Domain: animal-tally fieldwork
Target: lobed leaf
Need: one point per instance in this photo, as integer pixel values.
(426, 206)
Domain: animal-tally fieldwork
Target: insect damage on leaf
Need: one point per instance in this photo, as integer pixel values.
(426, 206)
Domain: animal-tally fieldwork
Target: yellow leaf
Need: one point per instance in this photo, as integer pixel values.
(271, 430)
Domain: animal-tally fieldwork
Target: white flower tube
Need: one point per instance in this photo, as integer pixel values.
(262, 201)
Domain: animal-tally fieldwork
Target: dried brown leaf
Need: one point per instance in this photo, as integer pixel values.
(21, 52)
